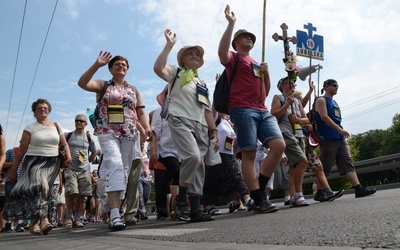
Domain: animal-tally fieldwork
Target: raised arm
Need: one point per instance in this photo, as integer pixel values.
(225, 43)
(160, 66)
(86, 82)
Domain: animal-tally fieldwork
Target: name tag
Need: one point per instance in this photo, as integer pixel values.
(202, 95)
(82, 155)
(115, 114)
(256, 70)
(228, 142)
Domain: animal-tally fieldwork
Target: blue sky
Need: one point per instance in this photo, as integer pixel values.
(360, 40)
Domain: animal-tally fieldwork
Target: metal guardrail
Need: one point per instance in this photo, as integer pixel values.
(365, 166)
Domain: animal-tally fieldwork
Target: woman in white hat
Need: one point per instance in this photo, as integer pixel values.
(191, 123)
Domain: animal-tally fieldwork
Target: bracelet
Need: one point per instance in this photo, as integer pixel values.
(216, 130)
(140, 107)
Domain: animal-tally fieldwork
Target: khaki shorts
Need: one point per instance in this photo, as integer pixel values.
(77, 183)
(295, 148)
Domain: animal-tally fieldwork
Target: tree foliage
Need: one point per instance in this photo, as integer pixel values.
(378, 142)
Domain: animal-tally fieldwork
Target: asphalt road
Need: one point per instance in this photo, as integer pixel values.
(346, 223)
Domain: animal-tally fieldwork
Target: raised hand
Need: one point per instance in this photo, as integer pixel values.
(103, 58)
(229, 15)
(171, 37)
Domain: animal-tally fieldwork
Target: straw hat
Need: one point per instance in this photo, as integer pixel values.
(181, 51)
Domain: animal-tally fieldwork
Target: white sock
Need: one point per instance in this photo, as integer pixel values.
(114, 213)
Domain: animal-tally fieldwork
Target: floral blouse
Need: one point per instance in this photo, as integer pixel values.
(125, 96)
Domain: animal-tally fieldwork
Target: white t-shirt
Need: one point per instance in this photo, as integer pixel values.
(44, 140)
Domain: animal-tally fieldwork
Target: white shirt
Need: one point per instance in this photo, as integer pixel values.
(165, 143)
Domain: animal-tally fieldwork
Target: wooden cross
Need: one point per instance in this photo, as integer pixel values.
(284, 37)
(286, 47)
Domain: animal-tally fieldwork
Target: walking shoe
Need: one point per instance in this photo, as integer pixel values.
(321, 196)
(60, 224)
(116, 224)
(7, 228)
(180, 211)
(365, 191)
(265, 207)
(77, 224)
(20, 228)
(286, 203)
(200, 217)
(299, 201)
(250, 205)
(335, 195)
(233, 206)
(212, 211)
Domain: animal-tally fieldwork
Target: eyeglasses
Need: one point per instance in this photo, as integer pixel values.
(120, 64)
(335, 85)
(191, 53)
(80, 121)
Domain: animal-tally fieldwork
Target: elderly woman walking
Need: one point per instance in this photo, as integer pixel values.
(39, 144)
(191, 124)
(120, 108)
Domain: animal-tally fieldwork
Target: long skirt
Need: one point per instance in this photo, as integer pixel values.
(223, 182)
(30, 196)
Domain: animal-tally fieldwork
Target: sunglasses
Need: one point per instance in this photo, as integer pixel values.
(80, 121)
(335, 85)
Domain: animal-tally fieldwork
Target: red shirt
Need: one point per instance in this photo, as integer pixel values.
(245, 90)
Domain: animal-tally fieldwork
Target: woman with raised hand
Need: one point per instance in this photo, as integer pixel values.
(191, 124)
(120, 106)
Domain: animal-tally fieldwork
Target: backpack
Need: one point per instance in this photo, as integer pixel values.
(313, 120)
(69, 136)
(95, 116)
(223, 90)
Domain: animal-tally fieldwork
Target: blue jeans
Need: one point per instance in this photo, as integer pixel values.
(252, 124)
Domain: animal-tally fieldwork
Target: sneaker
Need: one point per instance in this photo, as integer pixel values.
(180, 211)
(286, 203)
(20, 228)
(60, 224)
(321, 196)
(116, 224)
(233, 207)
(365, 191)
(265, 207)
(335, 195)
(200, 217)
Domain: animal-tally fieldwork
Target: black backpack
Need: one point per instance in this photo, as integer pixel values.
(223, 90)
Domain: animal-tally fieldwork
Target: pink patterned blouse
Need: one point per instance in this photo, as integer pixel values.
(125, 96)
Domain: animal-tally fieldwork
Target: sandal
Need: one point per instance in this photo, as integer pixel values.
(35, 229)
(46, 228)
(68, 224)
(116, 224)
(299, 201)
